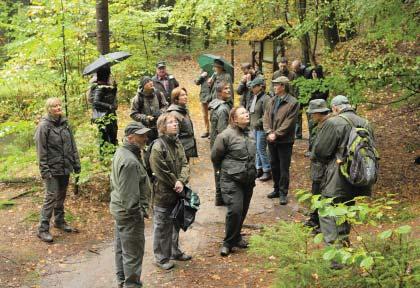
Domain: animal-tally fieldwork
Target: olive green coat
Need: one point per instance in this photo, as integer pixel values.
(186, 129)
(256, 117)
(219, 118)
(233, 154)
(129, 183)
(169, 165)
(329, 147)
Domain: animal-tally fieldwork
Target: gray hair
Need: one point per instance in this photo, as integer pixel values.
(220, 86)
(343, 106)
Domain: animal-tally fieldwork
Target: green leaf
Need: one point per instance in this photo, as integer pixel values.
(319, 238)
(367, 263)
(403, 229)
(330, 253)
(385, 235)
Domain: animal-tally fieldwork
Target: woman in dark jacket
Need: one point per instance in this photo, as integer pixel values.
(233, 155)
(104, 103)
(178, 108)
(57, 157)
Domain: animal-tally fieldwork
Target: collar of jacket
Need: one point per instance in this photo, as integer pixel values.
(55, 121)
(144, 94)
(216, 103)
(259, 95)
(351, 110)
(170, 138)
(133, 148)
(285, 97)
(177, 108)
(244, 131)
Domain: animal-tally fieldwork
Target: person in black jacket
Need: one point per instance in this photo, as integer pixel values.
(104, 103)
(57, 157)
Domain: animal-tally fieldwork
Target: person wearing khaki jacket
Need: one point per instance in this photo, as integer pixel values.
(170, 168)
(279, 124)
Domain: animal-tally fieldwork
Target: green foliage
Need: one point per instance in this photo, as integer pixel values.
(388, 259)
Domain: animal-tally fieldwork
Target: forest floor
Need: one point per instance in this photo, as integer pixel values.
(86, 259)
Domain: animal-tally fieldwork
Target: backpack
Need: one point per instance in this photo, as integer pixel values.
(360, 164)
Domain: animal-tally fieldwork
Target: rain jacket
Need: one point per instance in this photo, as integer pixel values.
(219, 118)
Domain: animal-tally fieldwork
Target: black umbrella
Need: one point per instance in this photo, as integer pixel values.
(104, 60)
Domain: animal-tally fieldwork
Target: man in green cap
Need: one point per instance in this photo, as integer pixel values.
(279, 125)
(318, 111)
(256, 106)
(328, 148)
(129, 204)
(163, 81)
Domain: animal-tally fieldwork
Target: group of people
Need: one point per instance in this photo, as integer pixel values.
(151, 167)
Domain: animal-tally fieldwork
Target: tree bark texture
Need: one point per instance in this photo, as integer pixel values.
(330, 27)
(102, 26)
(305, 40)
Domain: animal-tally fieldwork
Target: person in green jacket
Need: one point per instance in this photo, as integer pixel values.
(170, 168)
(220, 75)
(233, 155)
(219, 120)
(319, 112)
(58, 158)
(205, 98)
(328, 149)
(129, 204)
(178, 108)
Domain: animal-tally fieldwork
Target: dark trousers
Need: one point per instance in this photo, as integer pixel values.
(217, 184)
(311, 126)
(298, 129)
(129, 251)
(237, 197)
(108, 133)
(55, 194)
(281, 156)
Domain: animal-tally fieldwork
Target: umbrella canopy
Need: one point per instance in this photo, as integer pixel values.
(206, 62)
(104, 60)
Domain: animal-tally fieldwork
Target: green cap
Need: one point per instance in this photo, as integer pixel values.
(339, 100)
(135, 128)
(317, 106)
(160, 64)
(281, 80)
(257, 81)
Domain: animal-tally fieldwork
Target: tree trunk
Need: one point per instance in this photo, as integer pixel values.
(305, 40)
(330, 27)
(207, 35)
(102, 26)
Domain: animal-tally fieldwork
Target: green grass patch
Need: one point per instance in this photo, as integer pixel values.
(4, 204)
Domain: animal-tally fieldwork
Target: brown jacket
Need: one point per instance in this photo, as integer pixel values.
(284, 121)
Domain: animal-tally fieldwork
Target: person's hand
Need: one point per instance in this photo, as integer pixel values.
(271, 137)
(204, 74)
(210, 81)
(248, 77)
(150, 118)
(244, 78)
(178, 187)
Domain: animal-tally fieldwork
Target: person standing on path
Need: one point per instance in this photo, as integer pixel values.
(279, 124)
(299, 69)
(319, 112)
(105, 105)
(129, 205)
(257, 104)
(243, 88)
(178, 108)
(233, 155)
(219, 120)
(147, 106)
(205, 98)
(164, 82)
(170, 167)
(284, 71)
(58, 158)
(328, 149)
(220, 75)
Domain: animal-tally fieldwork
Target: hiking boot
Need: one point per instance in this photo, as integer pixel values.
(259, 173)
(65, 227)
(182, 257)
(265, 177)
(242, 244)
(311, 223)
(316, 230)
(224, 251)
(45, 236)
(166, 266)
(274, 194)
(283, 199)
(205, 135)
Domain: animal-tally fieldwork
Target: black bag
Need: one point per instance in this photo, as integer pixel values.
(184, 211)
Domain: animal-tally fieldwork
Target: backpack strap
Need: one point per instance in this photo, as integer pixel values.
(347, 120)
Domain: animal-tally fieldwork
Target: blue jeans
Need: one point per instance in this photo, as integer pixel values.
(261, 159)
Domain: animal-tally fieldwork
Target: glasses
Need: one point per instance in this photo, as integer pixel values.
(172, 122)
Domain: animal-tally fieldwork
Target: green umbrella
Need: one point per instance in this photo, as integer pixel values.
(206, 62)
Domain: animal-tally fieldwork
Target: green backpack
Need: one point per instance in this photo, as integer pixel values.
(361, 159)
